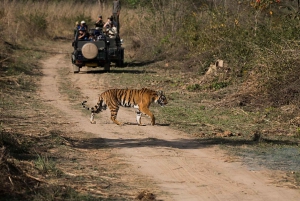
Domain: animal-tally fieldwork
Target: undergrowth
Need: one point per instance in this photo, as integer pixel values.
(258, 43)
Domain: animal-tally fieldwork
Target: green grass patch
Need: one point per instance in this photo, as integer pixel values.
(46, 165)
(270, 155)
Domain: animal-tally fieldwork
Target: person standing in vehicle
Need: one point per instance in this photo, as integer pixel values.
(107, 25)
(77, 26)
(116, 13)
(99, 22)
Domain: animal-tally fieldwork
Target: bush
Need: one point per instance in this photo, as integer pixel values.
(37, 24)
(193, 87)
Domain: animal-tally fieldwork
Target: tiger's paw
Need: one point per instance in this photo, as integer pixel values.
(119, 123)
(93, 122)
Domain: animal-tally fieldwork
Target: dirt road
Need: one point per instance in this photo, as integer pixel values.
(181, 167)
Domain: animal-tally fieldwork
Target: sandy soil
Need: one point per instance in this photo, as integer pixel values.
(178, 165)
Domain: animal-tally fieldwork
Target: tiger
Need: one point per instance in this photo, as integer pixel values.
(136, 98)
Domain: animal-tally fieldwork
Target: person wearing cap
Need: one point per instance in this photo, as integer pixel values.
(99, 22)
(83, 25)
(116, 13)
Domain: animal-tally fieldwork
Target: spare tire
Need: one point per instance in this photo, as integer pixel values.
(89, 50)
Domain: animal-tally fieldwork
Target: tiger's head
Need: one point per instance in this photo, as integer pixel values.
(161, 99)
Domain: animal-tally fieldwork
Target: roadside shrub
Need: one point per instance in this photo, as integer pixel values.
(193, 87)
(37, 24)
(84, 17)
(158, 27)
(218, 85)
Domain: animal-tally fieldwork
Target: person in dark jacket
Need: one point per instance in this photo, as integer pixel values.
(99, 22)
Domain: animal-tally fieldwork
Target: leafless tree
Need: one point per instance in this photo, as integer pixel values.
(102, 3)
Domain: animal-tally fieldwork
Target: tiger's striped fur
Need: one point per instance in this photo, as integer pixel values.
(137, 98)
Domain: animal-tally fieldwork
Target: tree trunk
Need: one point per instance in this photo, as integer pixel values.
(101, 5)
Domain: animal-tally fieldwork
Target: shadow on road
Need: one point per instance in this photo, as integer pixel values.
(96, 143)
(115, 70)
(121, 69)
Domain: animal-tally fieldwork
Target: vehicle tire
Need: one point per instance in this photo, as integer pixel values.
(107, 67)
(89, 50)
(120, 63)
(76, 69)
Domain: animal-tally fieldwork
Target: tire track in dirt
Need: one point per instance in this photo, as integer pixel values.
(182, 167)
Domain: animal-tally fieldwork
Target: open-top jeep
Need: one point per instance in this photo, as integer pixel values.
(97, 53)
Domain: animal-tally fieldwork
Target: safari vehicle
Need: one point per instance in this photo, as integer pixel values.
(98, 53)
(90, 53)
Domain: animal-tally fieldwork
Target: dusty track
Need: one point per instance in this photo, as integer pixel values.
(180, 166)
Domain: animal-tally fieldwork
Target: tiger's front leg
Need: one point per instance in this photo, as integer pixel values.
(116, 121)
(149, 113)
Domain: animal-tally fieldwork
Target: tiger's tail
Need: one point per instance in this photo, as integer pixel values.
(96, 109)
(84, 106)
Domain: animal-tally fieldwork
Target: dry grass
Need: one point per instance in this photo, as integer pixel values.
(41, 19)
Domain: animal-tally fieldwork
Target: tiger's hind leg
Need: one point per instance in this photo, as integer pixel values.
(139, 117)
(98, 108)
(92, 118)
(113, 117)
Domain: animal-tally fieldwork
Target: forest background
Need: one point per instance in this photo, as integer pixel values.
(257, 38)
